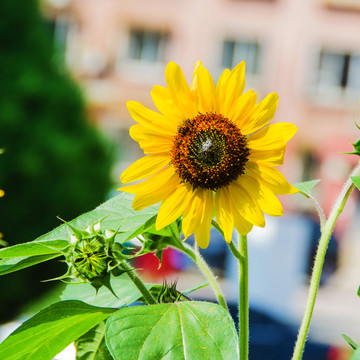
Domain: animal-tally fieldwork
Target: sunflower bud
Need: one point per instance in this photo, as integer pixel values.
(168, 293)
(92, 254)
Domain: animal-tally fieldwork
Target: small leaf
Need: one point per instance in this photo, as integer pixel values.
(356, 181)
(306, 186)
(185, 330)
(358, 292)
(153, 241)
(350, 341)
(196, 287)
(52, 330)
(91, 346)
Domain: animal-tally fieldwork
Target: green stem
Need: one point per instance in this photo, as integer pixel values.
(203, 266)
(319, 261)
(243, 296)
(138, 283)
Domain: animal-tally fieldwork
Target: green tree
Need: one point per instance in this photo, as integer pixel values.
(55, 162)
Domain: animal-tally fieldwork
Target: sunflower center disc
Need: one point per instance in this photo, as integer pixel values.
(209, 151)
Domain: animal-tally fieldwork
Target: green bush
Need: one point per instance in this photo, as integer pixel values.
(55, 162)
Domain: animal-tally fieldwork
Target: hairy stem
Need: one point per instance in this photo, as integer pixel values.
(138, 283)
(243, 296)
(203, 266)
(319, 261)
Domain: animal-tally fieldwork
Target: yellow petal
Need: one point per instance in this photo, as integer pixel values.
(145, 167)
(242, 107)
(151, 119)
(262, 113)
(157, 194)
(224, 215)
(173, 206)
(235, 87)
(159, 180)
(272, 136)
(180, 91)
(271, 157)
(198, 215)
(206, 88)
(220, 91)
(202, 232)
(262, 194)
(195, 79)
(272, 177)
(245, 204)
(165, 104)
(241, 225)
(150, 140)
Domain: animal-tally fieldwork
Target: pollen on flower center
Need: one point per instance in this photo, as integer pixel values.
(209, 151)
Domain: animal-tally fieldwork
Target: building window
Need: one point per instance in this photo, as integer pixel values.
(237, 51)
(338, 73)
(147, 46)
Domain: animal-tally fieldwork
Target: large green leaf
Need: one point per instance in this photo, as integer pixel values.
(185, 330)
(51, 330)
(9, 265)
(34, 248)
(21, 256)
(123, 287)
(91, 346)
(116, 212)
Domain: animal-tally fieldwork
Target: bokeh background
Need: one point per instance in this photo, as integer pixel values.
(67, 69)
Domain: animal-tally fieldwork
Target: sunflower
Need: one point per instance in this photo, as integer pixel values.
(210, 153)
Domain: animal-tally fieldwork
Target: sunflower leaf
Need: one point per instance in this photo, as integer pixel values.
(356, 354)
(116, 212)
(123, 287)
(356, 181)
(91, 346)
(159, 241)
(196, 287)
(51, 330)
(350, 341)
(306, 186)
(180, 330)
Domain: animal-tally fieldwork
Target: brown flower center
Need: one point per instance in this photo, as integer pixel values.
(209, 151)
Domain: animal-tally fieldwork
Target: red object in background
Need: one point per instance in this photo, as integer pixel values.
(148, 264)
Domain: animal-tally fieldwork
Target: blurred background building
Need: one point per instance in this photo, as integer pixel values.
(307, 51)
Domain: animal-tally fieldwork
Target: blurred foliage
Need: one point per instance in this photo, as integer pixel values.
(54, 161)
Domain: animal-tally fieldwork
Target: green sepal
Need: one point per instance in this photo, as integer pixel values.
(356, 145)
(78, 233)
(169, 293)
